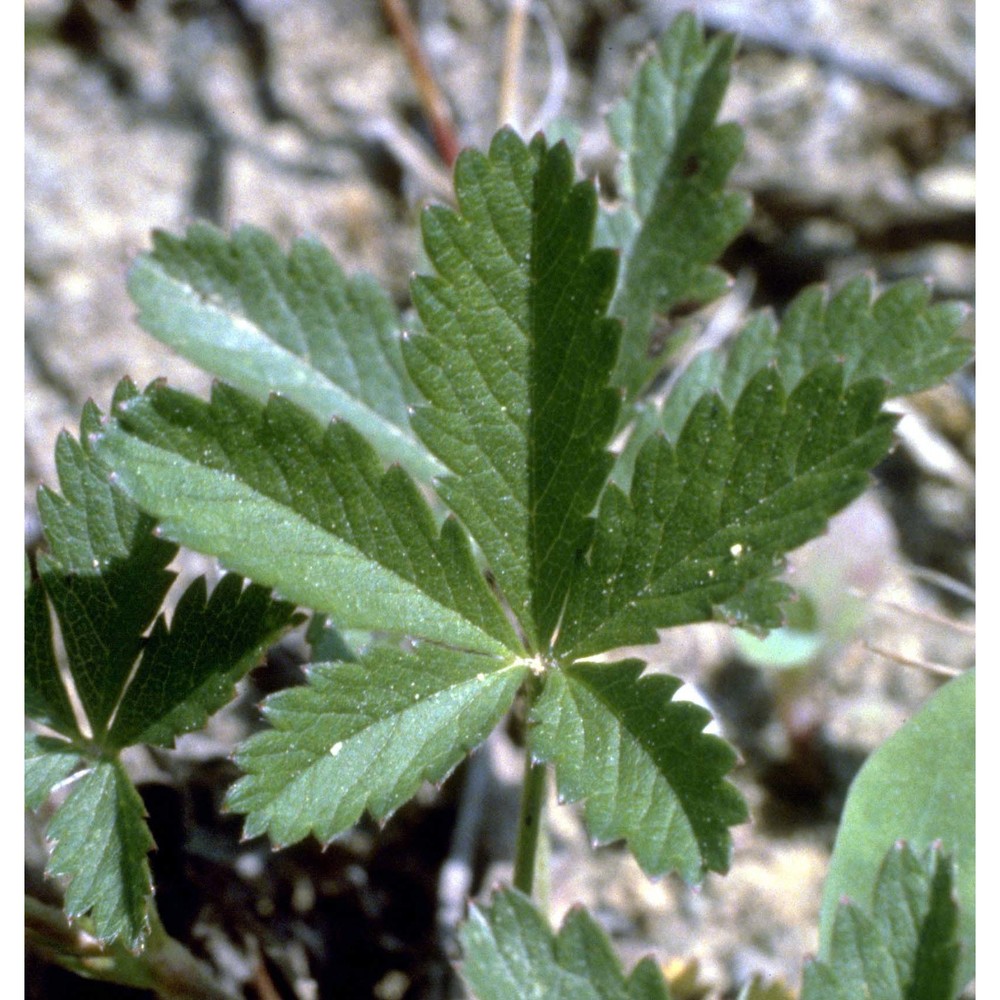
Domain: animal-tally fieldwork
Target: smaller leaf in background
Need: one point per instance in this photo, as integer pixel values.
(101, 841)
(266, 322)
(906, 949)
(919, 786)
(676, 217)
(898, 336)
(364, 735)
(835, 577)
(510, 953)
(641, 763)
(189, 670)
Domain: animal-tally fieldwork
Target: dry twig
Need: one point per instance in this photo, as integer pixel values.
(431, 96)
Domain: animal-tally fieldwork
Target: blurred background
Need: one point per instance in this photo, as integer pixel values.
(303, 116)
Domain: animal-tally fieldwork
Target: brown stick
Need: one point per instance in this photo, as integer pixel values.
(510, 80)
(431, 96)
(909, 661)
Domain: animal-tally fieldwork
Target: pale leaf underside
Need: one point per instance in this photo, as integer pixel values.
(266, 322)
(47, 761)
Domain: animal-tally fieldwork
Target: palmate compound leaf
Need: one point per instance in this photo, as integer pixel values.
(905, 947)
(642, 763)
(364, 735)
(266, 322)
(105, 578)
(514, 360)
(510, 953)
(675, 216)
(310, 513)
(704, 527)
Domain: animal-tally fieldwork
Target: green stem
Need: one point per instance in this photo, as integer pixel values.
(177, 974)
(529, 823)
(164, 965)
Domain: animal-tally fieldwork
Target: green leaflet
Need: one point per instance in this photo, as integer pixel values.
(897, 336)
(676, 217)
(309, 513)
(514, 363)
(46, 762)
(364, 735)
(105, 576)
(706, 522)
(45, 698)
(919, 786)
(266, 322)
(510, 953)
(189, 671)
(101, 842)
(906, 949)
(642, 764)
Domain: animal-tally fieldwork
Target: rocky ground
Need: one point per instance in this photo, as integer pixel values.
(300, 116)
